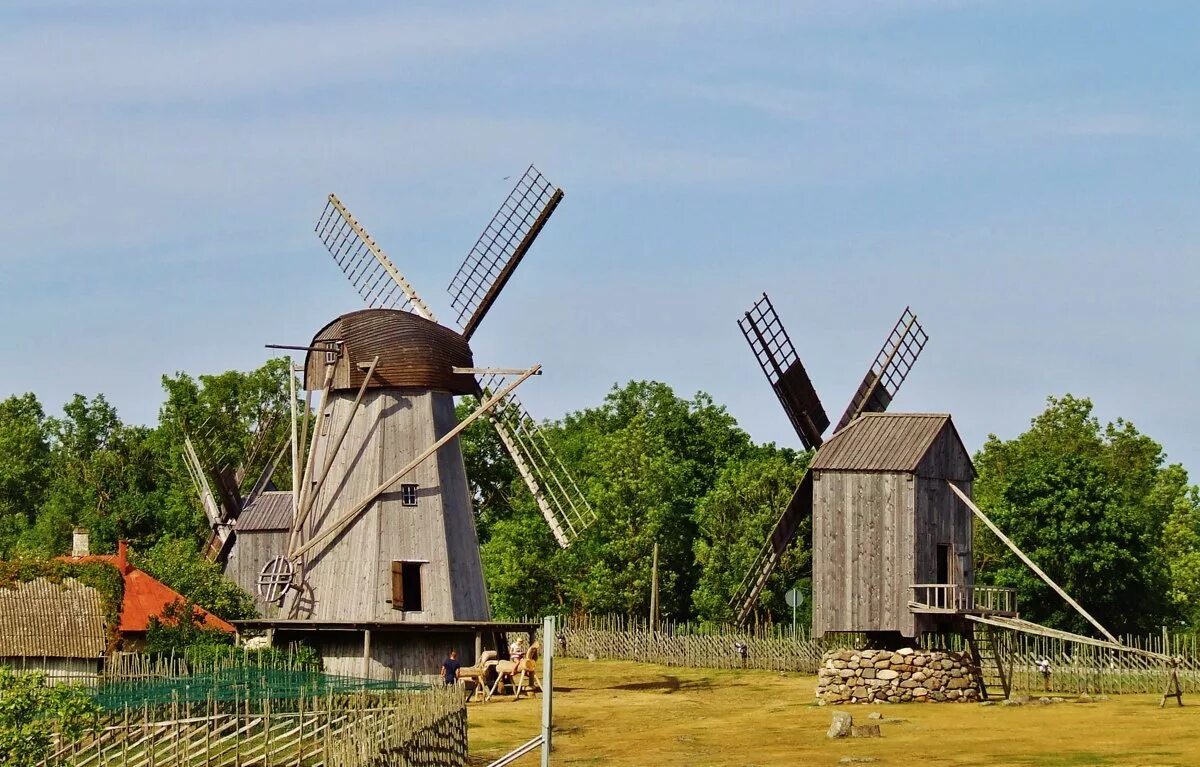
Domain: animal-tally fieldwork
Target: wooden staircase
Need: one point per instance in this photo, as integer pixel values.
(992, 663)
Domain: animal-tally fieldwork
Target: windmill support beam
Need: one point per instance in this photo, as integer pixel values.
(1031, 564)
(310, 498)
(295, 443)
(293, 539)
(341, 523)
(490, 371)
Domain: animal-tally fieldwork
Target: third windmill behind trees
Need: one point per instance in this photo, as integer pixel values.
(778, 359)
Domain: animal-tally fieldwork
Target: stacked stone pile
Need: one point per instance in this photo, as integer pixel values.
(884, 676)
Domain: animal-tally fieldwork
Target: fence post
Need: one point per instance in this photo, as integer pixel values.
(547, 687)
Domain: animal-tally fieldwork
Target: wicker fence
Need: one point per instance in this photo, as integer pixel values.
(694, 645)
(1074, 667)
(424, 728)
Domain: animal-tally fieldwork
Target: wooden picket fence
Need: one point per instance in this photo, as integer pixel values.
(696, 645)
(424, 728)
(1076, 668)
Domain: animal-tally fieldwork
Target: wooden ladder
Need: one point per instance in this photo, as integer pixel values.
(987, 651)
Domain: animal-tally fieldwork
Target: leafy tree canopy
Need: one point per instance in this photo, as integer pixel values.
(1091, 505)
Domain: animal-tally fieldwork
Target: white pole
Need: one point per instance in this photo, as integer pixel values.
(548, 642)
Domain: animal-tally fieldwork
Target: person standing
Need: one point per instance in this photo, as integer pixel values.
(450, 668)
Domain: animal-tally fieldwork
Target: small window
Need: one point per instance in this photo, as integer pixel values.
(408, 495)
(406, 586)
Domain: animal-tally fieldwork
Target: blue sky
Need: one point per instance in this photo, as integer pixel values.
(1023, 173)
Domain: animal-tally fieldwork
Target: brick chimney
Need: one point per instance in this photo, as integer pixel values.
(79, 542)
(122, 557)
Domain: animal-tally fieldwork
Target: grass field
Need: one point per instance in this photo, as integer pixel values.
(621, 713)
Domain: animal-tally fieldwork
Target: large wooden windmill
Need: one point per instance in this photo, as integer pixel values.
(778, 359)
(382, 535)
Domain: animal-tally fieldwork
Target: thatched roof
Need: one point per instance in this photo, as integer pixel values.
(41, 618)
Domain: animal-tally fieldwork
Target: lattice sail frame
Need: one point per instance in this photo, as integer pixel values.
(562, 503)
(888, 371)
(498, 251)
(364, 263)
(777, 357)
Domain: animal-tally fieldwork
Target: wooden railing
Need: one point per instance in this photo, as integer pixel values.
(954, 597)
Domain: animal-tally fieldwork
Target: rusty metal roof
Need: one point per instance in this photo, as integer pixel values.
(271, 510)
(40, 618)
(882, 442)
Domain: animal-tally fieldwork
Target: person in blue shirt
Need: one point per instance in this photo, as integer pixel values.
(450, 668)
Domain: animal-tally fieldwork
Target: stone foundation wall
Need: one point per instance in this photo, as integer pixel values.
(884, 676)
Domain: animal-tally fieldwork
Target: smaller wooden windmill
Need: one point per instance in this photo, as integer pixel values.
(382, 539)
(889, 495)
(778, 359)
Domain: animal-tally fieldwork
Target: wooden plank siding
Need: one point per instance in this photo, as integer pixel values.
(881, 508)
(351, 576)
(862, 555)
(250, 552)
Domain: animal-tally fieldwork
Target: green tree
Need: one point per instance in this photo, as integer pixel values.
(105, 476)
(735, 518)
(1089, 505)
(31, 712)
(237, 420)
(181, 628)
(644, 458)
(1181, 544)
(179, 564)
(24, 467)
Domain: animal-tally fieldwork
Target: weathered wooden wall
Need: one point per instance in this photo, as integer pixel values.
(250, 552)
(350, 577)
(941, 518)
(78, 671)
(862, 551)
(392, 656)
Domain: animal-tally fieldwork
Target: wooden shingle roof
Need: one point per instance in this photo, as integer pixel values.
(40, 618)
(884, 442)
(271, 510)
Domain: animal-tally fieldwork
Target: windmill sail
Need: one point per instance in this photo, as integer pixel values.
(499, 250)
(778, 359)
(559, 498)
(888, 371)
(369, 270)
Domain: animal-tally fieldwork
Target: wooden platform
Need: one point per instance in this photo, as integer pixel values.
(954, 599)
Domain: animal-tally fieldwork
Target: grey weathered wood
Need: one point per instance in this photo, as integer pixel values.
(875, 533)
(353, 513)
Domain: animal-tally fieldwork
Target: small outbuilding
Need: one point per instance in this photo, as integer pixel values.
(56, 627)
(145, 597)
(892, 544)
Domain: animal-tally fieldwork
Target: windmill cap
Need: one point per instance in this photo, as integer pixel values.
(414, 353)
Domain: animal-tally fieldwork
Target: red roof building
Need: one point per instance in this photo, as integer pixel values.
(145, 596)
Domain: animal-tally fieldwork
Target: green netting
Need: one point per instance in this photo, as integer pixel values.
(239, 683)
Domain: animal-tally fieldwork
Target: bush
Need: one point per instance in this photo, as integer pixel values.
(31, 712)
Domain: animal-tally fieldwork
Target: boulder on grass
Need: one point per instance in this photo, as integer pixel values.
(841, 725)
